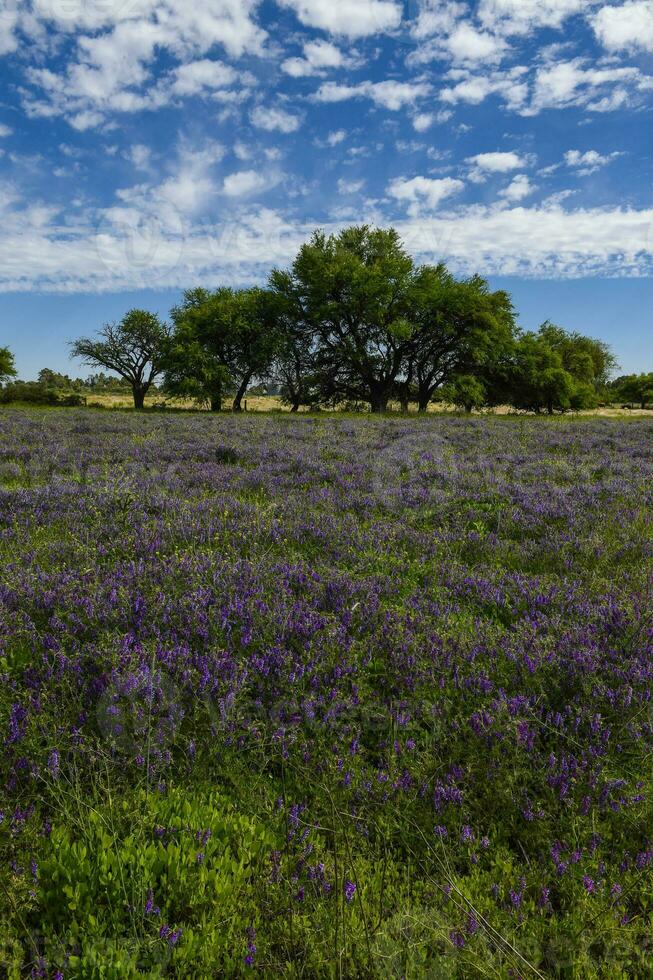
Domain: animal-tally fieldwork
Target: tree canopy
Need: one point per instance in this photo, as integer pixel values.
(7, 366)
(370, 325)
(221, 338)
(636, 389)
(134, 348)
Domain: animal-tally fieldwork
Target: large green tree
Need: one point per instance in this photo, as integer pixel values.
(223, 338)
(134, 348)
(7, 367)
(463, 328)
(354, 291)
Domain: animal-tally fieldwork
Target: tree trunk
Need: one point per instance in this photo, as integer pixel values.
(240, 394)
(140, 392)
(549, 408)
(216, 403)
(378, 402)
(295, 406)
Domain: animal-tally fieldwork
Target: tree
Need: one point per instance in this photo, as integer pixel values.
(463, 328)
(354, 293)
(586, 359)
(636, 389)
(294, 369)
(223, 337)
(7, 367)
(134, 348)
(533, 378)
(190, 370)
(466, 392)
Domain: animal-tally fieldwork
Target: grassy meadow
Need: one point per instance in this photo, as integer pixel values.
(323, 697)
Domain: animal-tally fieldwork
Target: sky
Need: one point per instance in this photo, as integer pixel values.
(148, 146)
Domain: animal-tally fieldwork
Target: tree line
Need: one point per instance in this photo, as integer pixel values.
(355, 321)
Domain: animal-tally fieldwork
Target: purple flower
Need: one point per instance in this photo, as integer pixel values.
(350, 891)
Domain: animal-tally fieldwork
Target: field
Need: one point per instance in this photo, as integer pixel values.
(325, 697)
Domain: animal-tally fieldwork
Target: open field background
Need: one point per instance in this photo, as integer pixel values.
(273, 404)
(325, 697)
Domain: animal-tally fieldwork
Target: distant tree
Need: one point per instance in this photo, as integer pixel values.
(533, 378)
(354, 291)
(134, 349)
(7, 367)
(462, 328)
(636, 389)
(586, 359)
(54, 379)
(223, 337)
(465, 391)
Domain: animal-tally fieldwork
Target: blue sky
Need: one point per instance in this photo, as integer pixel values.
(151, 145)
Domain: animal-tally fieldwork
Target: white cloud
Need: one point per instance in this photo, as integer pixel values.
(318, 56)
(245, 183)
(123, 248)
(466, 43)
(5, 130)
(588, 162)
(350, 186)
(111, 68)
(437, 17)
(519, 188)
(199, 76)
(349, 18)
(554, 85)
(423, 121)
(423, 194)
(629, 26)
(511, 86)
(139, 155)
(274, 120)
(571, 83)
(388, 94)
(546, 242)
(337, 137)
(524, 16)
(187, 191)
(8, 24)
(484, 164)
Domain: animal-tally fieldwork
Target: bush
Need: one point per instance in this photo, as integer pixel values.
(35, 393)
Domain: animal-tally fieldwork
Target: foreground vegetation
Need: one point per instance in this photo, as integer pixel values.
(312, 698)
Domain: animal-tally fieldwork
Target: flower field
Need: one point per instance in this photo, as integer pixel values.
(325, 697)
